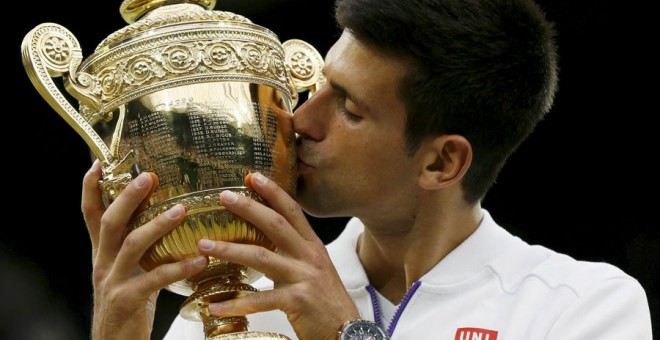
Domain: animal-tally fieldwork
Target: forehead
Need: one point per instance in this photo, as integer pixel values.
(364, 71)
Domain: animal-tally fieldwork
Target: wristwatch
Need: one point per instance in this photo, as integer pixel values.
(362, 330)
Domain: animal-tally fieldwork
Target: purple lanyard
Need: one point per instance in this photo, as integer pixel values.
(378, 318)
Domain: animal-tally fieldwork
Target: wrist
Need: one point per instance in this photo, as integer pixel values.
(361, 329)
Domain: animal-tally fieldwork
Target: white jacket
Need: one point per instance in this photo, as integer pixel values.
(493, 286)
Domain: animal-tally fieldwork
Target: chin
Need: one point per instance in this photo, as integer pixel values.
(310, 203)
(314, 207)
(316, 202)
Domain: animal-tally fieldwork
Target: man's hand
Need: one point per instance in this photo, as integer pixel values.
(307, 286)
(124, 294)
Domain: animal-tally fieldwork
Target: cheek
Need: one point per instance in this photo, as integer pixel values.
(368, 155)
(378, 163)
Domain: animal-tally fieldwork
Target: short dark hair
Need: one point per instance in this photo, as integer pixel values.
(483, 69)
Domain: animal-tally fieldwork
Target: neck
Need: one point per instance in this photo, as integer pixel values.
(394, 256)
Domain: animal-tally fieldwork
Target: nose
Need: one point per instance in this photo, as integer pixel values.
(308, 119)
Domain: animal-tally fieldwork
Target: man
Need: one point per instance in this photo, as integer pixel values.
(425, 100)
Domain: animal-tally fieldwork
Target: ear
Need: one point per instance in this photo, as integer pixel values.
(446, 160)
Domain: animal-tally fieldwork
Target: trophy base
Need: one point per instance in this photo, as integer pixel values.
(249, 335)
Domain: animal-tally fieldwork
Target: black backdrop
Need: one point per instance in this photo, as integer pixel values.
(584, 183)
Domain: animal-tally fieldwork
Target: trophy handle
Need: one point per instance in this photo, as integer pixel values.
(49, 51)
(305, 64)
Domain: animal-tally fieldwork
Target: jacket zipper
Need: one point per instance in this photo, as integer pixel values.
(378, 318)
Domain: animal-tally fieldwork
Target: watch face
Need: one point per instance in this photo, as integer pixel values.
(363, 330)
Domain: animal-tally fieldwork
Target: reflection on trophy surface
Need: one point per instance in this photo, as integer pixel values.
(199, 97)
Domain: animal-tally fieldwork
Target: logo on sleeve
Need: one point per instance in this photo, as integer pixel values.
(469, 333)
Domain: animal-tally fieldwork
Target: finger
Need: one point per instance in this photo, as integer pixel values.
(164, 275)
(256, 302)
(272, 224)
(139, 240)
(92, 203)
(145, 202)
(259, 258)
(115, 220)
(284, 204)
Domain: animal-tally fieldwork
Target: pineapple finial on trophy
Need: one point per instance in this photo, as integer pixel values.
(132, 10)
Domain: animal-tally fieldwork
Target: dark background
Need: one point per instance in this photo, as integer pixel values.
(583, 184)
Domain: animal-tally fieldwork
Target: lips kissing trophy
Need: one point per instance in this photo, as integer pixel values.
(199, 97)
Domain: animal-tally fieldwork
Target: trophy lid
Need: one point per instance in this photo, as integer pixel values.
(178, 42)
(146, 15)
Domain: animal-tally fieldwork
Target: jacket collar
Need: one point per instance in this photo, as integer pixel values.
(473, 256)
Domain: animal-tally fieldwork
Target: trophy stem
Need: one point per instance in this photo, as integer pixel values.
(214, 327)
(220, 282)
(215, 290)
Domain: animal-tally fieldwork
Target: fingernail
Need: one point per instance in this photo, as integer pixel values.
(206, 244)
(261, 179)
(215, 308)
(174, 211)
(96, 166)
(141, 180)
(229, 196)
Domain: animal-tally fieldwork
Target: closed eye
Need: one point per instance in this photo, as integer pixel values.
(341, 106)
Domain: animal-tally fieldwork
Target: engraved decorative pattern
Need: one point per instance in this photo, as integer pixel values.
(180, 58)
(220, 56)
(301, 65)
(212, 323)
(304, 63)
(200, 200)
(255, 57)
(57, 50)
(238, 288)
(147, 24)
(132, 71)
(111, 82)
(249, 335)
(229, 319)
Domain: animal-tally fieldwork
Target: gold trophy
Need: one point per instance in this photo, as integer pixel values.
(201, 98)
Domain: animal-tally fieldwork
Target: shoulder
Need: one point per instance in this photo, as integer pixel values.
(525, 263)
(608, 303)
(589, 299)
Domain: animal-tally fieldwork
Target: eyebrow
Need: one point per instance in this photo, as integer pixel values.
(341, 89)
